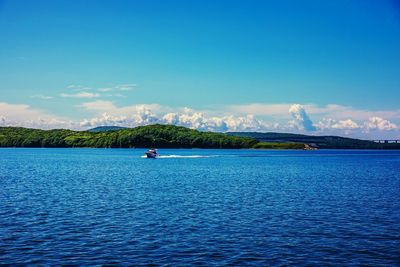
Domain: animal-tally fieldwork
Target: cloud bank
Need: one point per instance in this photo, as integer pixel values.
(22, 115)
(296, 118)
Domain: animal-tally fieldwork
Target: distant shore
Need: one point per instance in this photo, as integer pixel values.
(169, 136)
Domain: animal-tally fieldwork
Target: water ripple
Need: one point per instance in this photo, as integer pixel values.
(233, 207)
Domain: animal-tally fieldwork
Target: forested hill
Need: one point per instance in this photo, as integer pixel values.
(169, 136)
(331, 142)
(105, 129)
(160, 136)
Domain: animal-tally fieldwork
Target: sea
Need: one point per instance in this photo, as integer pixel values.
(90, 207)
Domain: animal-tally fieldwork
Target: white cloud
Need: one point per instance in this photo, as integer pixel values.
(377, 123)
(345, 124)
(20, 111)
(194, 120)
(2, 120)
(338, 112)
(113, 95)
(78, 87)
(328, 123)
(99, 106)
(22, 115)
(280, 110)
(341, 112)
(143, 114)
(44, 97)
(119, 87)
(80, 95)
(125, 87)
(103, 106)
(301, 118)
(108, 113)
(106, 89)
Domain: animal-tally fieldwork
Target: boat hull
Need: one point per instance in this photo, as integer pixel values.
(151, 155)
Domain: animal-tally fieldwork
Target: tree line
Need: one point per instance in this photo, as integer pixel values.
(160, 136)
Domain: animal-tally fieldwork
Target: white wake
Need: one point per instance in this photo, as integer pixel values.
(182, 156)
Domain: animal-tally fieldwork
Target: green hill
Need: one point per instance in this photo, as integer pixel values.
(329, 142)
(160, 136)
(169, 136)
(105, 129)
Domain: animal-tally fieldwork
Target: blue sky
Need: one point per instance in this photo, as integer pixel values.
(245, 63)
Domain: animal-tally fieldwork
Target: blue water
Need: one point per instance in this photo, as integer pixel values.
(203, 207)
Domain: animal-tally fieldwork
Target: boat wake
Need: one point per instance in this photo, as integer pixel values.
(182, 156)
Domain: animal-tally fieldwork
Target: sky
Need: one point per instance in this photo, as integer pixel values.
(314, 67)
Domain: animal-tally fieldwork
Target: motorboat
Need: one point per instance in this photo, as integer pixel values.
(151, 153)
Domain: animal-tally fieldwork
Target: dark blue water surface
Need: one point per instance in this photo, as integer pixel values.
(203, 207)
